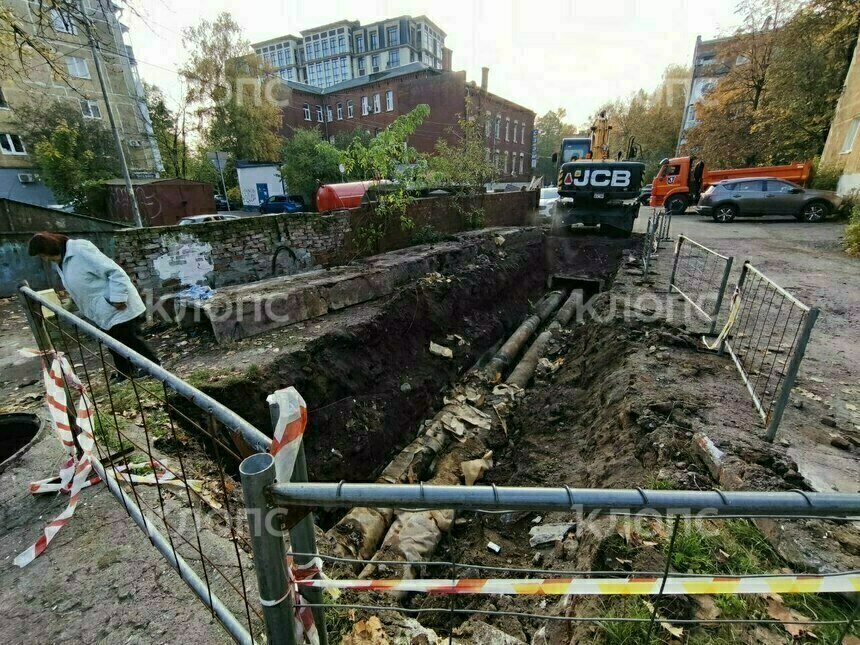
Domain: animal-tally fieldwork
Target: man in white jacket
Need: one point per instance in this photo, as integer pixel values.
(102, 291)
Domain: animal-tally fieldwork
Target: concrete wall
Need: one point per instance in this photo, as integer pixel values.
(162, 259)
(838, 150)
(20, 217)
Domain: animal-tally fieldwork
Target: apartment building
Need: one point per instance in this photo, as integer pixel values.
(65, 36)
(842, 148)
(344, 50)
(709, 66)
(374, 101)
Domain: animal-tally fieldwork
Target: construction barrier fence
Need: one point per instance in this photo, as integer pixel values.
(700, 275)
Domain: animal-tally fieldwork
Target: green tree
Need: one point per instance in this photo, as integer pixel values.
(308, 159)
(464, 163)
(343, 140)
(389, 156)
(551, 129)
(169, 130)
(233, 94)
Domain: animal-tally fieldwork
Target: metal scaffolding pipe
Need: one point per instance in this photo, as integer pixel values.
(508, 498)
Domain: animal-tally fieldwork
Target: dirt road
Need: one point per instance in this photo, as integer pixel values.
(806, 259)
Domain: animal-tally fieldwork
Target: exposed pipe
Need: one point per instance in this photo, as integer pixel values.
(509, 351)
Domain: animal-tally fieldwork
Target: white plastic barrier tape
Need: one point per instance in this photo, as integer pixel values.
(734, 310)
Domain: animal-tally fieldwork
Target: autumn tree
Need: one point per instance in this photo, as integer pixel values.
(232, 93)
(464, 162)
(169, 129)
(551, 128)
(308, 159)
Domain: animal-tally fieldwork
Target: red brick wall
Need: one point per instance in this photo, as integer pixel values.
(445, 94)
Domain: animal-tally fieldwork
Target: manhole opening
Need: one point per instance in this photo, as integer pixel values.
(16, 431)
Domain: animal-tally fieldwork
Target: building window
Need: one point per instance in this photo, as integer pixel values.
(497, 158)
(374, 63)
(498, 129)
(4, 105)
(377, 104)
(374, 40)
(505, 167)
(341, 44)
(319, 114)
(77, 67)
(62, 23)
(516, 127)
(328, 114)
(523, 134)
(394, 58)
(487, 155)
(340, 111)
(365, 106)
(521, 162)
(90, 109)
(389, 101)
(350, 109)
(11, 144)
(359, 44)
(392, 36)
(850, 135)
(307, 110)
(361, 69)
(488, 124)
(507, 129)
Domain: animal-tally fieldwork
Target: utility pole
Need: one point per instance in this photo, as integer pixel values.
(135, 209)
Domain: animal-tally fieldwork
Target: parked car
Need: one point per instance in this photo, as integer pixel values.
(755, 197)
(221, 203)
(280, 204)
(548, 200)
(202, 219)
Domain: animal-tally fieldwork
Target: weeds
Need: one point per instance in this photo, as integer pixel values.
(851, 242)
(627, 633)
(733, 547)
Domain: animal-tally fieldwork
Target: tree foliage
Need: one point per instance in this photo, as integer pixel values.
(786, 70)
(234, 96)
(464, 163)
(69, 151)
(169, 130)
(551, 129)
(650, 119)
(308, 159)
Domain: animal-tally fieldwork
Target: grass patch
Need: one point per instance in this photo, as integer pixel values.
(628, 633)
(824, 607)
(724, 547)
(652, 482)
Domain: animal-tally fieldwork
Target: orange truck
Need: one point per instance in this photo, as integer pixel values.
(681, 180)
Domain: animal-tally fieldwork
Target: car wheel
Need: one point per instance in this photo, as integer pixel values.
(815, 211)
(676, 205)
(725, 213)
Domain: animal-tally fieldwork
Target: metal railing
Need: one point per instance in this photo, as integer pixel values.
(767, 341)
(698, 509)
(700, 275)
(656, 232)
(167, 452)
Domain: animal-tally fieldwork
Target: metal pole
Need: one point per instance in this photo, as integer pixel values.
(258, 472)
(740, 288)
(135, 209)
(678, 244)
(302, 538)
(516, 498)
(788, 383)
(223, 185)
(721, 295)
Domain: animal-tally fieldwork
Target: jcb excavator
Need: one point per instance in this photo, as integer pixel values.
(595, 189)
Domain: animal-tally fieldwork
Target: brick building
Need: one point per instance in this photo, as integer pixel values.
(374, 101)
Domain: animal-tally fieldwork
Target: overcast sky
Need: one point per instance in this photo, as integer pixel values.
(542, 54)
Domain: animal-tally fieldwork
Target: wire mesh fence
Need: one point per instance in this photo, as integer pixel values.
(656, 232)
(680, 526)
(700, 275)
(170, 454)
(767, 340)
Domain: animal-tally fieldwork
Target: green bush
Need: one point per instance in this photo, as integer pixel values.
(234, 195)
(852, 232)
(825, 176)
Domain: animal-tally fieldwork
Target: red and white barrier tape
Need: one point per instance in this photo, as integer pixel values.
(287, 439)
(674, 586)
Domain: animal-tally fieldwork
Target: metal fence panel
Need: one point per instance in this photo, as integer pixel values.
(701, 276)
(167, 452)
(768, 341)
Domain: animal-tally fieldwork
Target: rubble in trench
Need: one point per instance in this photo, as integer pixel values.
(616, 403)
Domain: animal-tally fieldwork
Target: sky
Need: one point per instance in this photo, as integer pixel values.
(542, 54)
